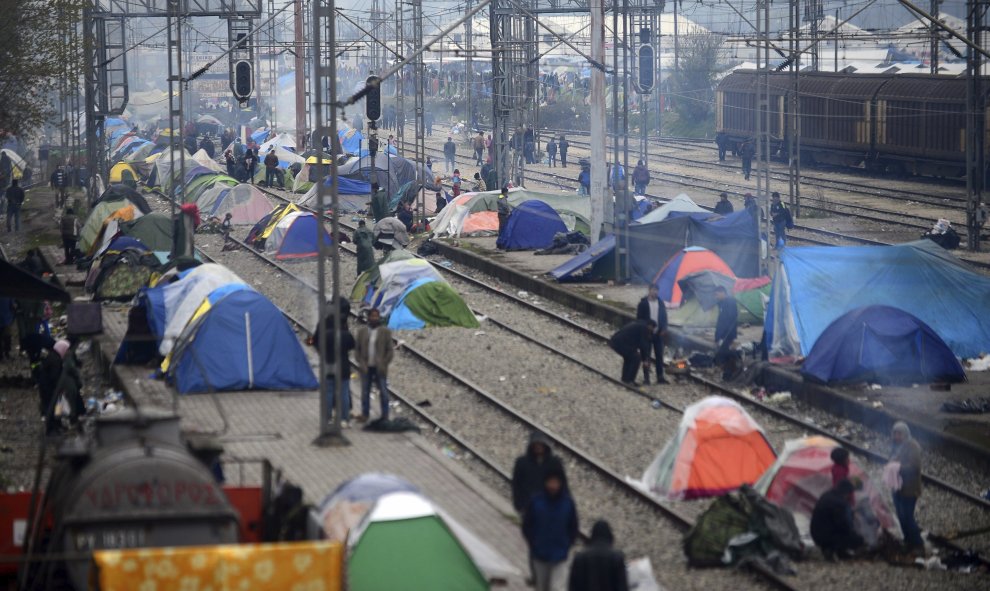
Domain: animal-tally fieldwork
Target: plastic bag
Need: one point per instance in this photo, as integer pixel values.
(639, 573)
(62, 408)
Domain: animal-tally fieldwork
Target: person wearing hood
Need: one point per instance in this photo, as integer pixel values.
(641, 177)
(364, 240)
(531, 468)
(599, 567)
(550, 526)
(529, 472)
(907, 454)
(49, 370)
(724, 206)
(379, 203)
(70, 381)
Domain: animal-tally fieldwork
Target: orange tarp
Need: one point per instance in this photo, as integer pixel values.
(294, 566)
(483, 221)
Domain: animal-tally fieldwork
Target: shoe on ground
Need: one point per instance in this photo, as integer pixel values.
(361, 419)
(662, 380)
(345, 425)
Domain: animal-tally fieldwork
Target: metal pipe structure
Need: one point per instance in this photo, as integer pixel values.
(597, 138)
(299, 58)
(976, 23)
(419, 75)
(324, 99)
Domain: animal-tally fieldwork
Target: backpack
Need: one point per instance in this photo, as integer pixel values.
(705, 543)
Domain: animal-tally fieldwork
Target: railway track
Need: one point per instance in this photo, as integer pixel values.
(596, 472)
(800, 233)
(574, 332)
(781, 174)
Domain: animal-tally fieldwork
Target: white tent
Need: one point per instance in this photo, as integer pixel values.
(682, 203)
(282, 140)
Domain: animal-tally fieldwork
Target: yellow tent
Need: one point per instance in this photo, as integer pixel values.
(120, 172)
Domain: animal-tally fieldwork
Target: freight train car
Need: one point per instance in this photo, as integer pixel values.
(908, 124)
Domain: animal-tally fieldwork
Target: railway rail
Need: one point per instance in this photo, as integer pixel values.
(766, 412)
(590, 465)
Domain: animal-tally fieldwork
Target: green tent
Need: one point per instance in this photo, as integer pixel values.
(429, 303)
(404, 543)
(750, 304)
(153, 230)
(195, 187)
(372, 277)
(90, 230)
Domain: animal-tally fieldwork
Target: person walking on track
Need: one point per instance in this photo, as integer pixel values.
(479, 149)
(633, 342)
(599, 567)
(563, 146)
(60, 182)
(529, 472)
(374, 353)
(449, 153)
(15, 199)
(550, 526)
(746, 152)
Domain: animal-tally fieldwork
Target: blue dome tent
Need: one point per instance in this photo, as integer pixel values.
(239, 341)
(531, 225)
(884, 345)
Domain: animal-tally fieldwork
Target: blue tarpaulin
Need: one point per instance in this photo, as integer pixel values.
(348, 186)
(351, 140)
(882, 345)
(603, 247)
(816, 285)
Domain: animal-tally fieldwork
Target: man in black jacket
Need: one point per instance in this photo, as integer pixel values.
(724, 206)
(633, 342)
(599, 567)
(832, 526)
(651, 308)
(725, 330)
(339, 362)
(530, 471)
(449, 153)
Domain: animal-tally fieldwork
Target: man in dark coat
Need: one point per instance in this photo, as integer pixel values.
(206, 145)
(449, 153)
(550, 526)
(379, 203)
(503, 209)
(15, 199)
(832, 526)
(271, 168)
(725, 329)
(48, 373)
(780, 216)
(651, 308)
(529, 472)
(531, 468)
(633, 342)
(724, 206)
(364, 241)
(746, 152)
(599, 567)
(563, 146)
(339, 362)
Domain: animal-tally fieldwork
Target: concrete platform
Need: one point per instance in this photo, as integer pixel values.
(281, 426)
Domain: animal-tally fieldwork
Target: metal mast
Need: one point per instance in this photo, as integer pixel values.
(976, 169)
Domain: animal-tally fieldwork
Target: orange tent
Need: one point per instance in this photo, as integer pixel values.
(718, 448)
(690, 260)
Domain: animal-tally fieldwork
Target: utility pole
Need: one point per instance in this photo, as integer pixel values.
(599, 198)
(324, 112)
(794, 143)
(933, 51)
(419, 74)
(976, 168)
(469, 63)
(400, 79)
(299, 51)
